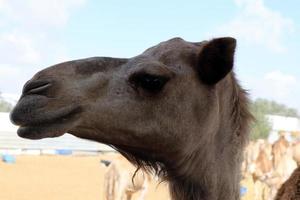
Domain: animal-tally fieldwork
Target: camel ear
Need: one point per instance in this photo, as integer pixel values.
(215, 60)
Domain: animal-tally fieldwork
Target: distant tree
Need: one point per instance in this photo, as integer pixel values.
(262, 107)
(274, 108)
(4, 105)
(260, 127)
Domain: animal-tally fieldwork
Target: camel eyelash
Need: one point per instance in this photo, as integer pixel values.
(149, 82)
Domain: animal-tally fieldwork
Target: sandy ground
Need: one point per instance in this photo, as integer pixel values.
(59, 178)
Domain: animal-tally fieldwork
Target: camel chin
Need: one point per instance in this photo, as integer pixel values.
(35, 133)
(48, 129)
(37, 123)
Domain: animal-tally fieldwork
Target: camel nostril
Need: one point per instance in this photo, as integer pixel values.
(36, 87)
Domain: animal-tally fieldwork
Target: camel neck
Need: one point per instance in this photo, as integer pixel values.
(185, 190)
(212, 184)
(208, 174)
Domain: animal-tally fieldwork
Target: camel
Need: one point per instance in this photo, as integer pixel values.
(296, 152)
(176, 109)
(122, 181)
(286, 165)
(261, 191)
(279, 149)
(258, 158)
(263, 164)
(251, 152)
(283, 158)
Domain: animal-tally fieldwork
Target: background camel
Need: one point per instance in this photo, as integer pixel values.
(263, 164)
(262, 177)
(279, 149)
(176, 109)
(296, 152)
(284, 164)
(122, 181)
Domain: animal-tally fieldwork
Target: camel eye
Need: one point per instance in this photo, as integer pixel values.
(148, 82)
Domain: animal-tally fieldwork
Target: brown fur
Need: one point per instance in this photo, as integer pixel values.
(189, 125)
(290, 190)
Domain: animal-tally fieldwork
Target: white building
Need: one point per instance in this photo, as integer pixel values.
(282, 123)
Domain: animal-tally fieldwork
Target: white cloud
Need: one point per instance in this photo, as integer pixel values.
(7, 71)
(278, 76)
(27, 40)
(39, 13)
(17, 49)
(54, 12)
(12, 79)
(275, 85)
(257, 24)
(1, 3)
(283, 84)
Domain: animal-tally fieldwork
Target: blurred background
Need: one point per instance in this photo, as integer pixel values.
(36, 34)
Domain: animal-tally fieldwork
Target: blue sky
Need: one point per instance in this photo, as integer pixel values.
(35, 34)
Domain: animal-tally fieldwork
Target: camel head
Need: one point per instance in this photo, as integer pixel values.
(161, 106)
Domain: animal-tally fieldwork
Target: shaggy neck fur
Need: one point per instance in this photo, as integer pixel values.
(207, 173)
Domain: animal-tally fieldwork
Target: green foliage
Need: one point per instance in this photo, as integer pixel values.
(4, 105)
(261, 127)
(274, 108)
(262, 107)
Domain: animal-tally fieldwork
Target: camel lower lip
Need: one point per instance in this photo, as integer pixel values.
(37, 132)
(52, 128)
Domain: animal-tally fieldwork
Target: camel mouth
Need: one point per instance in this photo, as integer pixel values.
(51, 128)
(41, 123)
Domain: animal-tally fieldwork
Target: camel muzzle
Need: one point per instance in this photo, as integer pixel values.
(38, 111)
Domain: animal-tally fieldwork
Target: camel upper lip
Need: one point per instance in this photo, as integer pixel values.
(37, 117)
(39, 89)
(35, 87)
